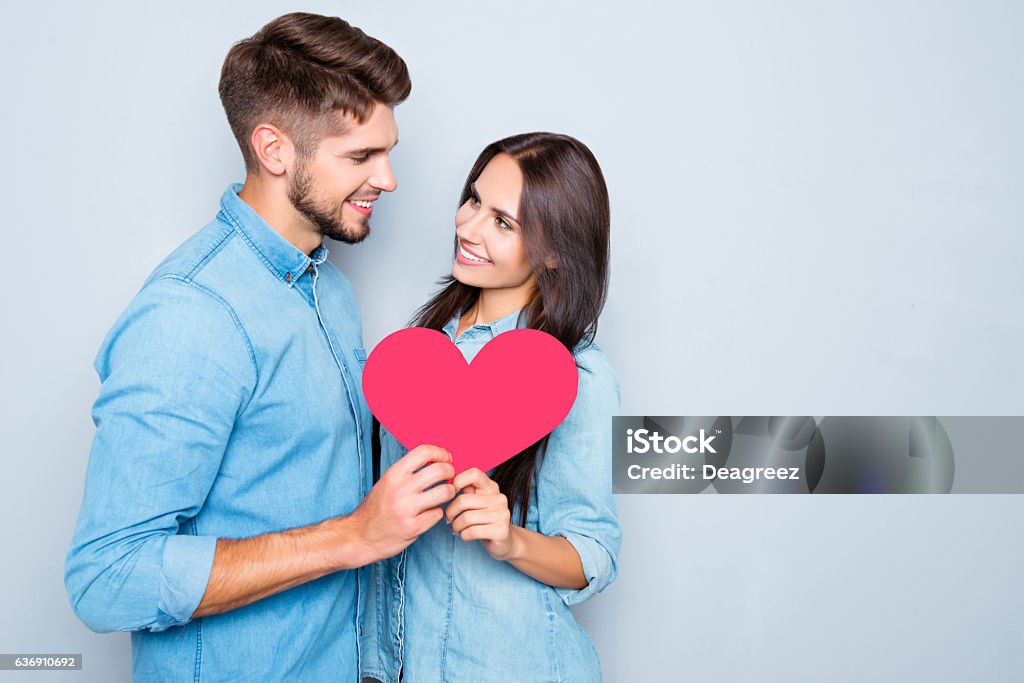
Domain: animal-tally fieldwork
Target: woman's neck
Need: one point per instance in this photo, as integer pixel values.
(491, 305)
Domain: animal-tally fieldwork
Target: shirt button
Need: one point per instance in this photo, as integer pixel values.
(309, 268)
(287, 277)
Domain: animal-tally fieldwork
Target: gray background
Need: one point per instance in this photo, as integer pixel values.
(817, 209)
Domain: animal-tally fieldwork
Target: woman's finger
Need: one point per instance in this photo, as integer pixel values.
(471, 518)
(482, 532)
(466, 519)
(471, 477)
(475, 501)
(488, 485)
(463, 502)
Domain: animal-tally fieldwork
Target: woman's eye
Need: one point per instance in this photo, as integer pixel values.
(502, 223)
(474, 200)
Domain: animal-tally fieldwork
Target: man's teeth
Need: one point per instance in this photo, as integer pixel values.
(365, 205)
(466, 255)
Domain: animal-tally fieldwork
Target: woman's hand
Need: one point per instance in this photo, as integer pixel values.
(480, 513)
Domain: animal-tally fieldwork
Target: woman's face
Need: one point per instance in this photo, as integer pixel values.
(490, 252)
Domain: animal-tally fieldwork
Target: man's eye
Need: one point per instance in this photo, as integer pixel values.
(359, 160)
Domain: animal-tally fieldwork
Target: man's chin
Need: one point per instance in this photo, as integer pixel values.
(349, 234)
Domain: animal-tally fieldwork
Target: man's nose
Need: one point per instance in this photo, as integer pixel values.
(383, 179)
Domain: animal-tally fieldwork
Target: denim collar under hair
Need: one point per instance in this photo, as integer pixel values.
(509, 322)
(278, 254)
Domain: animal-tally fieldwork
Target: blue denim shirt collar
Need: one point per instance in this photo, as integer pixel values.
(279, 255)
(509, 322)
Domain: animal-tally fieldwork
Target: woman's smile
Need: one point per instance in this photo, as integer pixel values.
(469, 258)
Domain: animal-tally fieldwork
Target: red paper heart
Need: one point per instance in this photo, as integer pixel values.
(518, 388)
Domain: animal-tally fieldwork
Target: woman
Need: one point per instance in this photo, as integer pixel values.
(485, 596)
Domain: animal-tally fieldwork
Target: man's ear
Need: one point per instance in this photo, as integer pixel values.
(273, 149)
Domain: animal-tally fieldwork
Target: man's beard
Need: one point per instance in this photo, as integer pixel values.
(325, 216)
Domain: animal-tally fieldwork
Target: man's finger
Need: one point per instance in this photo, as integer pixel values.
(420, 456)
(434, 497)
(427, 519)
(430, 475)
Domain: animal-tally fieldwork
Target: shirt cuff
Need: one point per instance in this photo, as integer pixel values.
(597, 569)
(184, 574)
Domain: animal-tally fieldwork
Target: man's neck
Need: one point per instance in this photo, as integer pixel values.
(273, 206)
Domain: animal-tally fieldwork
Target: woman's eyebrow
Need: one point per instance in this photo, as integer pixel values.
(500, 212)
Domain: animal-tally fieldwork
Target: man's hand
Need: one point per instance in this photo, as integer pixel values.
(397, 510)
(403, 504)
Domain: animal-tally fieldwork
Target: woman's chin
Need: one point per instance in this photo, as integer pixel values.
(459, 273)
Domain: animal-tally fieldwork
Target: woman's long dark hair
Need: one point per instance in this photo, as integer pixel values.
(565, 219)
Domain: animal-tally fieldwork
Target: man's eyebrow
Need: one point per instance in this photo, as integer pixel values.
(500, 212)
(366, 151)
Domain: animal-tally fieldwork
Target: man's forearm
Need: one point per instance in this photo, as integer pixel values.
(249, 569)
(400, 507)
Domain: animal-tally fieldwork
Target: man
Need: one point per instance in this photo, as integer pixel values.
(228, 498)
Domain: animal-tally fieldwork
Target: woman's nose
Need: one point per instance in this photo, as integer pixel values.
(470, 230)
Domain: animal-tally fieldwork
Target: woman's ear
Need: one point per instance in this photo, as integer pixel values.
(551, 263)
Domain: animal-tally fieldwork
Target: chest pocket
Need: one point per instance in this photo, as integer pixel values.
(360, 354)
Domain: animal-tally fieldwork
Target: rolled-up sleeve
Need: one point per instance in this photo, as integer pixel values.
(176, 371)
(574, 483)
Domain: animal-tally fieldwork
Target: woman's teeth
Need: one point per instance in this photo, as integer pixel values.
(469, 257)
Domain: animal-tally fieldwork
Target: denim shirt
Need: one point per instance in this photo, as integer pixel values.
(447, 611)
(230, 406)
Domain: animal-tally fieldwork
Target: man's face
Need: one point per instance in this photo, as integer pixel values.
(336, 187)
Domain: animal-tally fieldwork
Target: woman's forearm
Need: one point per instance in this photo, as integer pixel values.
(549, 559)
(481, 513)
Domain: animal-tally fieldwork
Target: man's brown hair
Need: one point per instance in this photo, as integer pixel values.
(299, 72)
